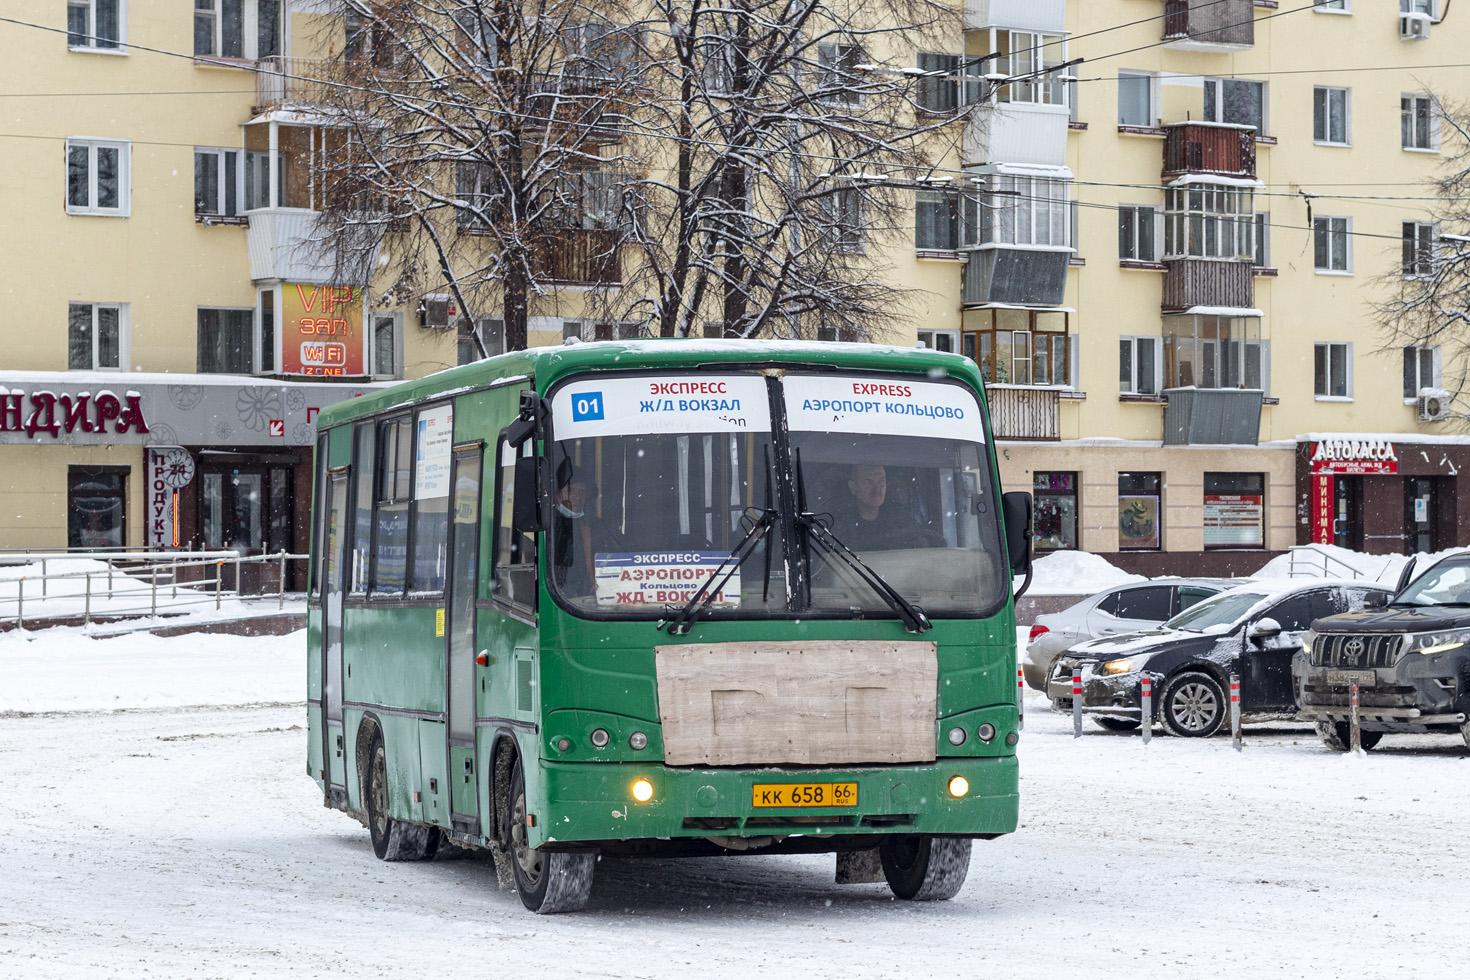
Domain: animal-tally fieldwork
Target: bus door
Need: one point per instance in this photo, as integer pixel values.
(332, 566)
(459, 634)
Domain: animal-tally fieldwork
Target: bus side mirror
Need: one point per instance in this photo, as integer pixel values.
(532, 473)
(533, 412)
(1016, 506)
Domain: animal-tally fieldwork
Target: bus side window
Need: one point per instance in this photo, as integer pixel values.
(515, 548)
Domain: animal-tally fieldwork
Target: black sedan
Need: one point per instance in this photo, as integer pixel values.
(1252, 631)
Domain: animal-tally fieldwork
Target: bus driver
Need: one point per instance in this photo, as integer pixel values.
(873, 523)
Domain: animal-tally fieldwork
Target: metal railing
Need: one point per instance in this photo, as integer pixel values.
(128, 584)
(1019, 412)
(1311, 561)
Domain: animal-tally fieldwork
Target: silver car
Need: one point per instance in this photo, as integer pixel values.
(1122, 609)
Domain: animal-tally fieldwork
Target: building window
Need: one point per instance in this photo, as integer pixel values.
(1263, 240)
(237, 28)
(939, 92)
(1137, 102)
(216, 181)
(1139, 514)
(387, 339)
(1418, 122)
(1140, 368)
(838, 78)
(1330, 244)
(1232, 100)
(1023, 211)
(1421, 370)
(1016, 346)
(96, 514)
(267, 307)
(96, 336)
(936, 221)
(840, 220)
(942, 340)
(225, 340)
(1235, 510)
(1033, 61)
(1136, 233)
(1416, 7)
(1331, 118)
(1209, 221)
(1056, 510)
(1208, 351)
(1338, 5)
(472, 182)
(1333, 370)
(97, 175)
(95, 25)
(1419, 249)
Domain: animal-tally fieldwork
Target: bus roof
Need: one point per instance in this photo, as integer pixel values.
(548, 364)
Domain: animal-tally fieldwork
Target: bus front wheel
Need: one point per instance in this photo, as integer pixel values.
(925, 869)
(393, 840)
(547, 881)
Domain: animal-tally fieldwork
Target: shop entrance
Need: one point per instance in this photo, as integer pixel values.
(1347, 512)
(247, 508)
(1420, 506)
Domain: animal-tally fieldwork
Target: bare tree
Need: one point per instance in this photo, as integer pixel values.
(1429, 293)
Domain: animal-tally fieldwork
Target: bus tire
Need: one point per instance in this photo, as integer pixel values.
(546, 881)
(923, 868)
(393, 840)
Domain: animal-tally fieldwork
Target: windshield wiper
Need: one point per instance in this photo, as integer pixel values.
(705, 594)
(913, 617)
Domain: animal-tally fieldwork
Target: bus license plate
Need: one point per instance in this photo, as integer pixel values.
(804, 794)
(1363, 678)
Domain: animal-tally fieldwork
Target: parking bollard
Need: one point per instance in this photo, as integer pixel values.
(1020, 700)
(1076, 702)
(87, 605)
(1235, 711)
(1146, 712)
(1355, 731)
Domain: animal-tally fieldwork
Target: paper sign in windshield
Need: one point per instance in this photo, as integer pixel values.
(661, 404)
(660, 578)
(910, 408)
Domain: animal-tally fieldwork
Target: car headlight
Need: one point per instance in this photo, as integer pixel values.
(1123, 666)
(1431, 643)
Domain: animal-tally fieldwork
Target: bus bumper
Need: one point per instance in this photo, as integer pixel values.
(595, 801)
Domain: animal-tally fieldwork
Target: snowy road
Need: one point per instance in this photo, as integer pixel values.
(189, 842)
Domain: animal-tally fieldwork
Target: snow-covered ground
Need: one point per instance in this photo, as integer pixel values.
(181, 837)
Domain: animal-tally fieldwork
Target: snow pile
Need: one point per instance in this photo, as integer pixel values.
(64, 669)
(1330, 561)
(1076, 573)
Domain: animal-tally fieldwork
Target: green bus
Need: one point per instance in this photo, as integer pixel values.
(673, 597)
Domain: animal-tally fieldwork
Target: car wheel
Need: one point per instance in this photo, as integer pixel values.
(1192, 705)
(1338, 735)
(1118, 724)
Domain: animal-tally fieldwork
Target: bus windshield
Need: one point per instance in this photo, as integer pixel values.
(659, 478)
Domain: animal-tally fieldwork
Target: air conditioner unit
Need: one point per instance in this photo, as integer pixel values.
(1434, 404)
(1414, 27)
(437, 311)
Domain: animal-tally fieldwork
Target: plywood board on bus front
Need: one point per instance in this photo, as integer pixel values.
(814, 703)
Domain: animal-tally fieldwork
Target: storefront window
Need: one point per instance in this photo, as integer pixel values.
(1021, 347)
(1139, 515)
(1056, 510)
(96, 497)
(1235, 510)
(1213, 352)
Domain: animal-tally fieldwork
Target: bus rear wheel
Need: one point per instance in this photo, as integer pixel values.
(925, 869)
(547, 881)
(393, 840)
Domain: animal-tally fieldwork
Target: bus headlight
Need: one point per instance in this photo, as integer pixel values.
(637, 741)
(642, 790)
(957, 736)
(599, 737)
(985, 732)
(958, 786)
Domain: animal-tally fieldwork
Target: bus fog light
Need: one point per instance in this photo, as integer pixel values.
(958, 786)
(1012, 738)
(637, 741)
(563, 744)
(599, 737)
(985, 732)
(642, 790)
(956, 736)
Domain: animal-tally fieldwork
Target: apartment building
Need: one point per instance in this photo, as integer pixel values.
(1242, 175)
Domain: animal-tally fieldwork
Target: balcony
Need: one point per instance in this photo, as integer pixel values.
(1215, 149)
(1207, 282)
(1019, 412)
(1016, 132)
(579, 257)
(284, 82)
(1212, 416)
(1016, 276)
(292, 245)
(1047, 16)
(1209, 25)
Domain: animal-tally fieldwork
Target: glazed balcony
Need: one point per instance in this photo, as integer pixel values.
(1017, 132)
(1209, 25)
(1017, 276)
(1214, 149)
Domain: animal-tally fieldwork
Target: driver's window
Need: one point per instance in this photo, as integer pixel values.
(515, 548)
